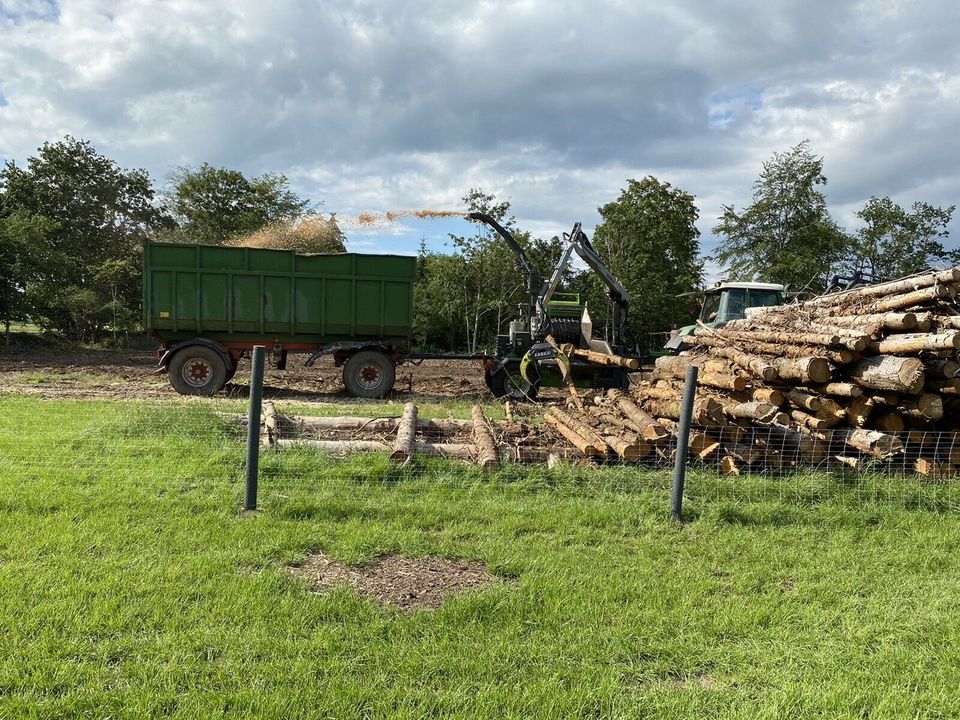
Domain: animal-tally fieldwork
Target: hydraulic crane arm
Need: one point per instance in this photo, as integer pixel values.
(530, 276)
(578, 242)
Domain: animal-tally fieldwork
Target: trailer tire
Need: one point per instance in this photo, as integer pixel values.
(197, 370)
(369, 374)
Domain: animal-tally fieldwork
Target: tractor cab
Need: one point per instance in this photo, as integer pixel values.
(728, 301)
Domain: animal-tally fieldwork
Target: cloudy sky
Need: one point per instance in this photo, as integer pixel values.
(376, 106)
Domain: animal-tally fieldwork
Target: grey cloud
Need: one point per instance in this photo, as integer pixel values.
(554, 104)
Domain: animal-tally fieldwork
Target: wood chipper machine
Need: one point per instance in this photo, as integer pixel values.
(551, 344)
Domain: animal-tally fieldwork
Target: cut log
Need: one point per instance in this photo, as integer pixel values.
(706, 411)
(584, 445)
(487, 456)
(917, 342)
(813, 422)
(271, 426)
(728, 466)
(838, 389)
(897, 322)
(807, 447)
(890, 372)
(894, 287)
(876, 443)
(858, 411)
(768, 395)
(917, 297)
(627, 450)
(933, 469)
(754, 364)
(772, 335)
(803, 401)
(649, 428)
(600, 358)
(927, 406)
(579, 427)
(508, 410)
(839, 356)
(851, 461)
(758, 411)
(803, 370)
(406, 432)
(702, 445)
(945, 368)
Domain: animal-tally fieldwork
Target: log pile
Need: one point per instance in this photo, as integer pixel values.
(869, 374)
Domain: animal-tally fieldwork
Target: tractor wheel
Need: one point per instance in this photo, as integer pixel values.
(369, 374)
(197, 370)
(506, 382)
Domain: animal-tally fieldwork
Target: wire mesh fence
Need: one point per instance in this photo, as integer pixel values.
(312, 451)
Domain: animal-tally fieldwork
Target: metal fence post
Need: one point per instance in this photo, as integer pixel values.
(683, 439)
(253, 428)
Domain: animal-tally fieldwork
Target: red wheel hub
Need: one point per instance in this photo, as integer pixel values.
(199, 371)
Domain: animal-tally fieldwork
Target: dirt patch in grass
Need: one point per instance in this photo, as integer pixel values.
(409, 583)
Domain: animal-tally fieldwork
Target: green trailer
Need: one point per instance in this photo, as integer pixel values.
(210, 305)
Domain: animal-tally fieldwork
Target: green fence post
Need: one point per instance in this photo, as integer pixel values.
(253, 428)
(683, 439)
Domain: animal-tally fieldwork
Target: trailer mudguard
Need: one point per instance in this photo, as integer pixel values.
(350, 347)
(213, 345)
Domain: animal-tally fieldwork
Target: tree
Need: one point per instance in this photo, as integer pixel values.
(893, 242)
(649, 240)
(438, 301)
(786, 235)
(212, 205)
(93, 213)
(22, 239)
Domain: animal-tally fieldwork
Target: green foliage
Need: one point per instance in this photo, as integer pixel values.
(23, 240)
(894, 242)
(212, 205)
(786, 235)
(649, 240)
(90, 220)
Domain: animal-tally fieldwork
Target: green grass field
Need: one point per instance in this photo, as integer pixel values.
(131, 586)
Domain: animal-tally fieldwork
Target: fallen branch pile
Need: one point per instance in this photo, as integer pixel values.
(868, 374)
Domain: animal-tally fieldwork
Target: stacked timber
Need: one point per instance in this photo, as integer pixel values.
(868, 374)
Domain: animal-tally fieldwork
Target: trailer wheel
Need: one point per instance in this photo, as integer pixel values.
(197, 370)
(369, 374)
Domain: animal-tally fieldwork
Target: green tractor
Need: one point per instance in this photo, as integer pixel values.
(537, 350)
(727, 301)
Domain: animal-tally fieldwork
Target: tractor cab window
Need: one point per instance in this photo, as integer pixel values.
(736, 302)
(711, 306)
(764, 298)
